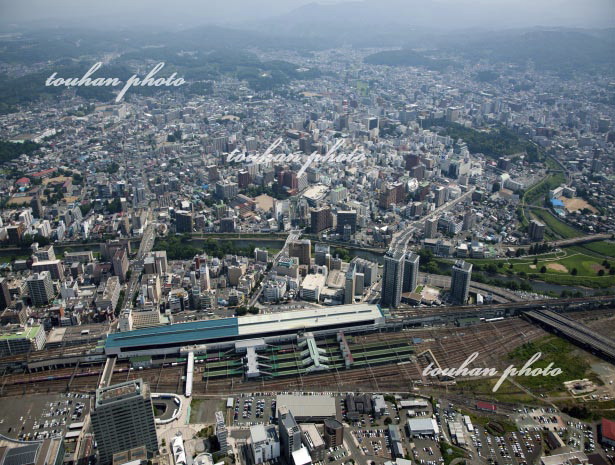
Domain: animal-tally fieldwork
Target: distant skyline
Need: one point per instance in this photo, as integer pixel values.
(179, 14)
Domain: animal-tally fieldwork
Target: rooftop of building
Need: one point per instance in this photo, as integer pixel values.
(463, 265)
(38, 276)
(181, 333)
(422, 424)
(193, 332)
(138, 453)
(128, 389)
(608, 429)
(29, 332)
(565, 458)
(301, 457)
(333, 423)
(313, 281)
(260, 433)
(309, 318)
(302, 406)
(29, 453)
(310, 431)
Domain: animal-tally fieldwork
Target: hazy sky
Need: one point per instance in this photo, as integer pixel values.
(185, 13)
(190, 11)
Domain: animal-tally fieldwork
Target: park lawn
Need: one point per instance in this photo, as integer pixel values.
(557, 226)
(559, 266)
(594, 282)
(584, 264)
(605, 248)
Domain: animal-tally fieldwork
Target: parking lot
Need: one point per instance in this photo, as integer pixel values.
(426, 451)
(335, 456)
(580, 436)
(576, 434)
(373, 442)
(508, 449)
(42, 416)
(253, 409)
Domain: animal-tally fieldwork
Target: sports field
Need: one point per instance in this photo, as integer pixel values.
(570, 266)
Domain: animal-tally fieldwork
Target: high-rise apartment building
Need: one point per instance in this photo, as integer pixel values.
(333, 432)
(536, 231)
(469, 218)
(320, 219)
(120, 264)
(460, 282)
(226, 190)
(184, 221)
(346, 217)
(302, 250)
(350, 285)
(392, 278)
(431, 228)
(243, 179)
(411, 272)
(40, 288)
(322, 254)
(5, 294)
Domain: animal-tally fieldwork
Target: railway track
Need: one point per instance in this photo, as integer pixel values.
(450, 346)
(401, 313)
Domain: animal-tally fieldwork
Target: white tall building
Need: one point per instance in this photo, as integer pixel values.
(204, 275)
(108, 294)
(221, 432)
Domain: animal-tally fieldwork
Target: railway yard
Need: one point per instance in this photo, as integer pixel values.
(386, 360)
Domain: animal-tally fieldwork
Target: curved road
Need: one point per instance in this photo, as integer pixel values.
(445, 282)
(571, 241)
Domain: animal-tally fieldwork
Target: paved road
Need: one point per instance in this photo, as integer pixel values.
(147, 242)
(293, 236)
(572, 241)
(401, 238)
(351, 446)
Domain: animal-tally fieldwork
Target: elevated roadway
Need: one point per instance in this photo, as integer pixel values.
(575, 331)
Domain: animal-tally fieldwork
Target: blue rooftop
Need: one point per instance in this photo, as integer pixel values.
(557, 203)
(183, 333)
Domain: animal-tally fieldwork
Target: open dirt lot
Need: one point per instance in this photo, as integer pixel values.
(557, 267)
(572, 205)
